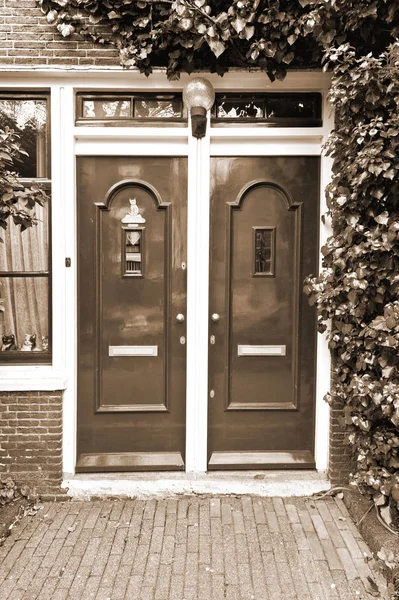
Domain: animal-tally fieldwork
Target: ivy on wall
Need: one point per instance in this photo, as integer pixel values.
(357, 292)
(187, 35)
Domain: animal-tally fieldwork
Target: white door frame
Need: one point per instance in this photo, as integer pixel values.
(69, 141)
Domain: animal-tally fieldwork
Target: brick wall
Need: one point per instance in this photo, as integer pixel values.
(341, 461)
(31, 439)
(26, 39)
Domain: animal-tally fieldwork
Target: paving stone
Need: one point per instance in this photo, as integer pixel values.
(259, 513)
(271, 575)
(204, 549)
(192, 548)
(176, 587)
(215, 507)
(227, 517)
(292, 513)
(160, 514)
(347, 563)
(163, 582)
(217, 586)
(321, 530)
(204, 518)
(168, 548)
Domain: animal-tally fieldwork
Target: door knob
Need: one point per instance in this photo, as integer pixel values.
(180, 318)
(215, 317)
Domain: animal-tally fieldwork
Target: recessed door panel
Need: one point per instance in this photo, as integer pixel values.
(131, 374)
(262, 359)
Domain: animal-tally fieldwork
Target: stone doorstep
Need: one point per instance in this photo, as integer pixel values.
(167, 484)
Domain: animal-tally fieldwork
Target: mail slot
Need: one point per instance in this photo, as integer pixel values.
(261, 350)
(133, 351)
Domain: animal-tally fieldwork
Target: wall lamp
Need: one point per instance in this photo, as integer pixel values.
(198, 96)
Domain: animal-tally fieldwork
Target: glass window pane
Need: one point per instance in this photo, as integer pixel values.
(264, 250)
(106, 109)
(291, 107)
(26, 250)
(133, 252)
(24, 314)
(29, 119)
(159, 109)
(240, 109)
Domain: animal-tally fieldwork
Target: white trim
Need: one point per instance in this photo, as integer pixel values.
(103, 78)
(197, 304)
(126, 147)
(255, 146)
(70, 290)
(323, 358)
(55, 376)
(32, 379)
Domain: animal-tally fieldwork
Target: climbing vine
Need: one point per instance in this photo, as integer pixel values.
(187, 35)
(356, 293)
(16, 199)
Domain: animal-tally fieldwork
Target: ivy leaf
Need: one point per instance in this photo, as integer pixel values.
(382, 218)
(371, 587)
(51, 16)
(249, 32)
(65, 29)
(288, 58)
(238, 24)
(216, 45)
(387, 372)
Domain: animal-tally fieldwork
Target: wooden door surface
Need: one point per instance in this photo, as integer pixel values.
(131, 308)
(262, 351)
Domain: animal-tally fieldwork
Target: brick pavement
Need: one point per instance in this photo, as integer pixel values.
(189, 548)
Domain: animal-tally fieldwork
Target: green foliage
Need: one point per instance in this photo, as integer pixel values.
(9, 491)
(16, 200)
(187, 35)
(357, 292)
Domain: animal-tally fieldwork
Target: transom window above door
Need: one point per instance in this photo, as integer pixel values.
(128, 108)
(290, 109)
(287, 109)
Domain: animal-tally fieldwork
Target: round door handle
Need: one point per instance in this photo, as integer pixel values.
(180, 318)
(215, 317)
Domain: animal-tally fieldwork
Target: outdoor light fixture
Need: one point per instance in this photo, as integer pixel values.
(198, 96)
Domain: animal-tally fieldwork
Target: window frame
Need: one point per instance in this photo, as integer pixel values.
(20, 357)
(132, 121)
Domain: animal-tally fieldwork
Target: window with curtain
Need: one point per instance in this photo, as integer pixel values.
(25, 323)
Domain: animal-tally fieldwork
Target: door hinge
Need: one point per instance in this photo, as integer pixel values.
(68, 262)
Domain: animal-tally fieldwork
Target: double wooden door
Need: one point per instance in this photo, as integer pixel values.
(132, 227)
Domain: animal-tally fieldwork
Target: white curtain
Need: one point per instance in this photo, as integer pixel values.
(25, 299)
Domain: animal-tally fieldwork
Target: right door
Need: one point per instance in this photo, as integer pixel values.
(262, 345)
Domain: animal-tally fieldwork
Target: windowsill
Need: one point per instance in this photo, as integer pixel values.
(31, 379)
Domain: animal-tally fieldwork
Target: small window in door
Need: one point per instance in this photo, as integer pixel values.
(132, 252)
(264, 244)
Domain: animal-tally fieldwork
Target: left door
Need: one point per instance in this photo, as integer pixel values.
(131, 313)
